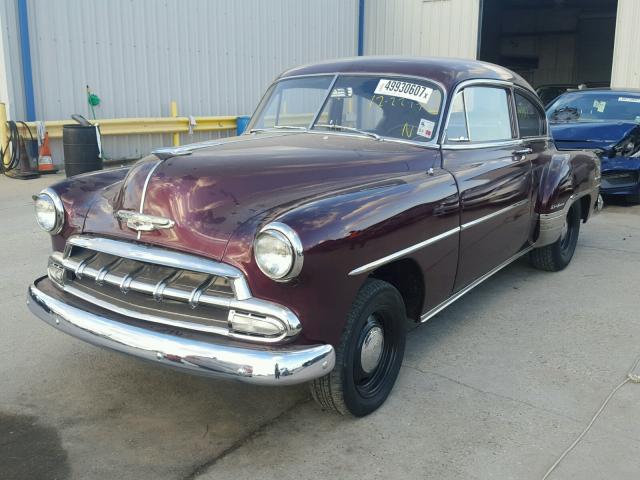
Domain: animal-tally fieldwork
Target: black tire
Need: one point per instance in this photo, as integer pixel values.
(558, 255)
(352, 388)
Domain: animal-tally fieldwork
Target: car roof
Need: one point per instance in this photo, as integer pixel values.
(634, 91)
(449, 72)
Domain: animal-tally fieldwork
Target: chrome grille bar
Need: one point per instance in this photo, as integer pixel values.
(195, 293)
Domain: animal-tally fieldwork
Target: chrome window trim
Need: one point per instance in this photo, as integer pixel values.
(327, 95)
(430, 146)
(479, 82)
(433, 143)
(472, 223)
(401, 253)
(475, 146)
(536, 101)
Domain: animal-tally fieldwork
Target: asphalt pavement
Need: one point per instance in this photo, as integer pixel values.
(496, 386)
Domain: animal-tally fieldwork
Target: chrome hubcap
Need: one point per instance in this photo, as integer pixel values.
(371, 351)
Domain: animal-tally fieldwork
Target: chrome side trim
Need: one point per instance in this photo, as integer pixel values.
(472, 285)
(264, 366)
(502, 211)
(389, 258)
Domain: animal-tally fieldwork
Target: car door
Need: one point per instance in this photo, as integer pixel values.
(493, 172)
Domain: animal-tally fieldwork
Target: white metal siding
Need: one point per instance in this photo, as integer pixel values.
(214, 57)
(626, 53)
(447, 28)
(11, 49)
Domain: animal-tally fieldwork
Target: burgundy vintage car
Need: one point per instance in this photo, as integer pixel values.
(366, 191)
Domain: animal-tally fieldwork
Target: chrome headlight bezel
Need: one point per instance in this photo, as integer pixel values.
(49, 195)
(283, 233)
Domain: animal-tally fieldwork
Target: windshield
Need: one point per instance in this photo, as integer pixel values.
(595, 107)
(373, 105)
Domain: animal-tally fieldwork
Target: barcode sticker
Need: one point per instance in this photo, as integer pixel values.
(398, 88)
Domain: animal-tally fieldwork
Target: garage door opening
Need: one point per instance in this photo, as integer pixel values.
(553, 44)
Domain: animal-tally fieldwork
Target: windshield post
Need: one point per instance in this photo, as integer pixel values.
(326, 98)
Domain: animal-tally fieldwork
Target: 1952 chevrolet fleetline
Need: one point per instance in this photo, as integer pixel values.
(366, 192)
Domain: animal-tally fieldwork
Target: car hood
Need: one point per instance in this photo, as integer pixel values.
(592, 135)
(213, 190)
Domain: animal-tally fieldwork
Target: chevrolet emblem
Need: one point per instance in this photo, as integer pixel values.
(144, 223)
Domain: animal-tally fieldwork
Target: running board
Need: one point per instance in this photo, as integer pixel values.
(472, 285)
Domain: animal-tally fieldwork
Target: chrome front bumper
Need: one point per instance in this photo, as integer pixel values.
(261, 365)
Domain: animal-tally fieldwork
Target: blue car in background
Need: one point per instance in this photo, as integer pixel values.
(607, 121)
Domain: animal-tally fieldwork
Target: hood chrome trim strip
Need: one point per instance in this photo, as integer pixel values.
(144, 190)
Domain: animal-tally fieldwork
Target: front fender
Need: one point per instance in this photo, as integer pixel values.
(342, 231)
(77, 195)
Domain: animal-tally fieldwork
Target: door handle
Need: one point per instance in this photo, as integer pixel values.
(522, 152)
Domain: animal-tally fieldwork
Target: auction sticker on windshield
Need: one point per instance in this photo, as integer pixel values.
(398, 88)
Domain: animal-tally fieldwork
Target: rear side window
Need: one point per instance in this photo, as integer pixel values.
(530, 120)
(480, 114)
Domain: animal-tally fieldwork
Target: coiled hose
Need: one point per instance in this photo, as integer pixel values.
(14, 146)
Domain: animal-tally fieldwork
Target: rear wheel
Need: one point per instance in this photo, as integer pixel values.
(369, 355)
(557, 256)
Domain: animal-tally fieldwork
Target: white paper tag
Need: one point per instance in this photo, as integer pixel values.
(629, 99)
(425, 129)
(398, 88)
(599, 106)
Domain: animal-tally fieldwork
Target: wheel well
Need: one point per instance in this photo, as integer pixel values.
(585, 207)
(406, 276)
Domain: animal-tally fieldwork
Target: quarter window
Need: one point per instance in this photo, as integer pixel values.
(530, 120)
(480, 114)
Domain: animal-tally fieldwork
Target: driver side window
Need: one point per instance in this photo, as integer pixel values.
(480, 114)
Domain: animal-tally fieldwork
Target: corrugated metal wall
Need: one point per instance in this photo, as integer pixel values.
(422, 27)
(626, 52)
(214, 57)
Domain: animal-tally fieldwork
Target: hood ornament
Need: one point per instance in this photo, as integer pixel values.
(144, 223)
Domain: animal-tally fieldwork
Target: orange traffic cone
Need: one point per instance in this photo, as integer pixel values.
(45, 163)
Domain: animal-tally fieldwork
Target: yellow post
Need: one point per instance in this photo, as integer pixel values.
(174, 114)
(4, 133)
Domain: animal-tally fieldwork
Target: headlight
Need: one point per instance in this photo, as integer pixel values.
(278, 252)
(49, 211)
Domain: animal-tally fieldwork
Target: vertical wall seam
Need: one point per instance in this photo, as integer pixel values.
(25, 51)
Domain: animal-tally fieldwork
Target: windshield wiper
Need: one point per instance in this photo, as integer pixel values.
(349, 129)
(276, 127)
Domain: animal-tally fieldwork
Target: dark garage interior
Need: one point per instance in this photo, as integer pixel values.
(551, 42)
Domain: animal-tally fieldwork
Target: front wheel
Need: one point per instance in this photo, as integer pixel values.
(369, 355)
(557, 256)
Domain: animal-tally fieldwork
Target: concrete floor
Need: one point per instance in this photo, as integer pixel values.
(496, 386)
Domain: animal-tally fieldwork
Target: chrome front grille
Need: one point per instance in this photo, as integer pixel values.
(168, 287)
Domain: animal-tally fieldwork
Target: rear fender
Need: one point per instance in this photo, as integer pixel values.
(566, 179)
